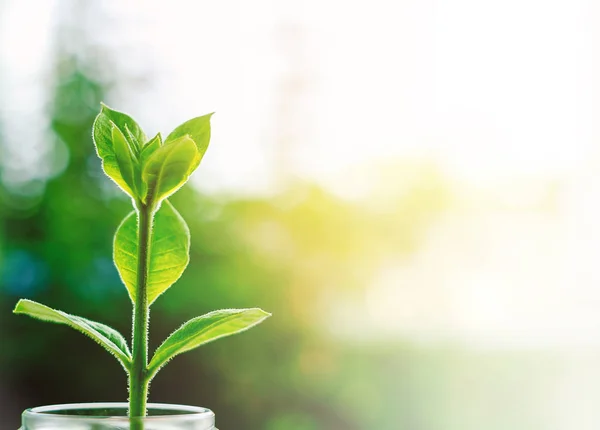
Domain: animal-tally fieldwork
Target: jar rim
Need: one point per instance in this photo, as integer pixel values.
(181, 412)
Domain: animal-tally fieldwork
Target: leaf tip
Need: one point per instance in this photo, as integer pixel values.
(20, 305)
(265, 313)
(261, 314)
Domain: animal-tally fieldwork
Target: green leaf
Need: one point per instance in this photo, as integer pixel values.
(124, 158)
(147, 151)
(198, 129)
(149, 148)
(169, 251)
(102, 134)
(106, 336)
(124, 122)
(201, 330)
(168, 168)
(135, 144)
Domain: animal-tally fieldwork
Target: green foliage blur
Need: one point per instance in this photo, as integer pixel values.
(296, 254)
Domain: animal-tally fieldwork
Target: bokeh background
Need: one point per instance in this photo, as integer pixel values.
(412, 188)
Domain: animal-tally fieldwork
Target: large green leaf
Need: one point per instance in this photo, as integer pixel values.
(201, 330)
(169, 251)
(198, 129)
(106, 336)
(102, 134)
(169, 167)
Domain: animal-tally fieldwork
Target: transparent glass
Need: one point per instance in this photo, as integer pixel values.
(113, 416)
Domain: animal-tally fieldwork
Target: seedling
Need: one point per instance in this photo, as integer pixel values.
(151, 246)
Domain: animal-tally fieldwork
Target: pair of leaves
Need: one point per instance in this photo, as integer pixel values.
(192, 334)
(148, 170)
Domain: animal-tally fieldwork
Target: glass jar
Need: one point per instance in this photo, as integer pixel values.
(113, 416)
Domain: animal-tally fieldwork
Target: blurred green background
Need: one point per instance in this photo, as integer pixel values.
(404, 295)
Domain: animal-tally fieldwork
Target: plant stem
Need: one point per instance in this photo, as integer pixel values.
(138, 381)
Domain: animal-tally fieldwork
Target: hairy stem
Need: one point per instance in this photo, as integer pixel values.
(138, 381)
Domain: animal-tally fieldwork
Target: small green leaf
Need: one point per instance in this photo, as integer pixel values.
(149, 148)
(198, 129)
(135, 144)
(102, 134)
(106, 336)
(124, 157)
(147, 151)
(123, 121)
(169, 167)
(201, 330)
(169, 251)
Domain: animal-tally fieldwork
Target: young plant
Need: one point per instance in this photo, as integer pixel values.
(151, 246)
